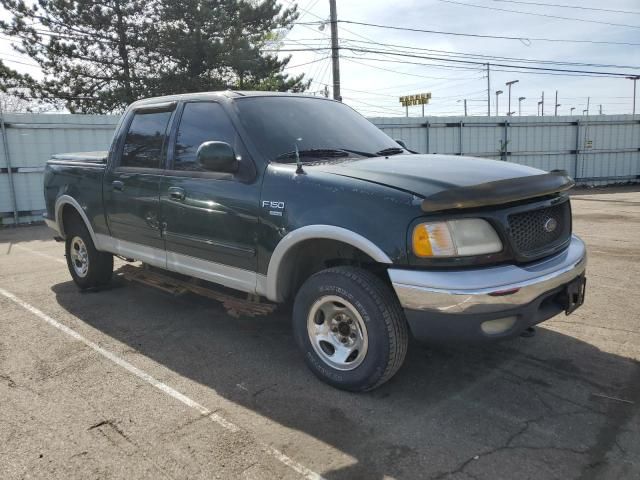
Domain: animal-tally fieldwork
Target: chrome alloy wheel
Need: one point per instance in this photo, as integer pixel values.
(337, 332)
(79, 257)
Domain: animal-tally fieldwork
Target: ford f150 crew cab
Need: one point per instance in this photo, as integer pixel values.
(292, 197)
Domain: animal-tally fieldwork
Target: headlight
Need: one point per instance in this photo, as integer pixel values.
(455, 238)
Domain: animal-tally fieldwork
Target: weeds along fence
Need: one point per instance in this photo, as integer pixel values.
(596, 150)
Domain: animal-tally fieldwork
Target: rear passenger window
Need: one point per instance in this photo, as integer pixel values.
(202, 122)
(145, 138)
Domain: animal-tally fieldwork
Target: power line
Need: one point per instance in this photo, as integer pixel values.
(540, 4)
(351, 59)
(591, 73)
(19, 62)
(350, 99)
(477, 35)
(471, 62)
(539, 14)
(492, 57)
(306, 63)
(513, 70)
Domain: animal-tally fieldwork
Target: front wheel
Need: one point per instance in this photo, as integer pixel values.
(350, 327)
(89, 267)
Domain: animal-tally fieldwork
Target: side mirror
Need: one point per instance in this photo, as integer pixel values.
(217, 157)
(401, 143)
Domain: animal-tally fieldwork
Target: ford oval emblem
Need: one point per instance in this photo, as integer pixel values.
(550, 225)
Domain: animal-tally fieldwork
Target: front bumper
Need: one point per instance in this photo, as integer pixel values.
(457, 304)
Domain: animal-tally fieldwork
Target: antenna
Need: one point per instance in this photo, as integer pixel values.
(299, 169)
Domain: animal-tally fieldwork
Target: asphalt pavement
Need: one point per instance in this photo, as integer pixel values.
(134, 382)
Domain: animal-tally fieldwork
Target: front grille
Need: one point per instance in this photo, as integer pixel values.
(532, 233)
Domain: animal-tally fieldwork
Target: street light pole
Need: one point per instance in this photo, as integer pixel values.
(555, 112)
(542, 103)
(498, 92)
(520, 105)
(488, 91)
(571, 110)
(539, 103)
(465, 105)
(635, 78)
(508, 84)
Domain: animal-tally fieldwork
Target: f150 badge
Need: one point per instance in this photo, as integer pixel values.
(276, 208)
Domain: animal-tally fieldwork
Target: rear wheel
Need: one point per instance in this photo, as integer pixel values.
(89, 268)
(350, 328)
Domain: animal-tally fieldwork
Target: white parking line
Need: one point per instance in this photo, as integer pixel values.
(213, 416)
(41, 254)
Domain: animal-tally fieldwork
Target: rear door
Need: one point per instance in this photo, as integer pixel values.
(132, 184)
(211, 218)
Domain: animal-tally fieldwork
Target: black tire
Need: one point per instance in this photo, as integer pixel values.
(99, 267)
(378, 308)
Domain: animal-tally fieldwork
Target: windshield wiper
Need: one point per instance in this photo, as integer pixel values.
(391, 151)
(322, 153)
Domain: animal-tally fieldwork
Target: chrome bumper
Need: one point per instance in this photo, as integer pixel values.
(487, 290)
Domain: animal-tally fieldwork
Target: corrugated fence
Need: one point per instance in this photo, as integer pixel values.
(28, 142)
(595, 150)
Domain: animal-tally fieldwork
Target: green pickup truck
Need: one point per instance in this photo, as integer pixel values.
(297, 198)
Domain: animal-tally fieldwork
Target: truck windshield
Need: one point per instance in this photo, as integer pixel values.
(278, 125)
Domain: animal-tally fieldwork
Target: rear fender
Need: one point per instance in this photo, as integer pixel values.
(59, 221)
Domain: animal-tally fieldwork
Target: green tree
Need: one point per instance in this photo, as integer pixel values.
(214, 44)
(98, 56)
(93, 53)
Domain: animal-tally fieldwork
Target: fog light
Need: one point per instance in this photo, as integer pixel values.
(500, 325)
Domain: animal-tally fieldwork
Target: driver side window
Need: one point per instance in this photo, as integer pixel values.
(201, 122)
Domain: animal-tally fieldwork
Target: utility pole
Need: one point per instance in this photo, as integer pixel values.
(555, 112)
(600, 113)
(498, 92)
(520, 105)
(335, 59)
(489, 92)
(542, 103)
(635, 78)
(508, 84)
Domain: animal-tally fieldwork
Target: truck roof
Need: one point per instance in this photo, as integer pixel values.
(218, 94)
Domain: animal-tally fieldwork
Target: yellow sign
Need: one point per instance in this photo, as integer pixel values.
(418, 99)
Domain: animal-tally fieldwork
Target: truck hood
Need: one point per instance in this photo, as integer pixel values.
(451, 182)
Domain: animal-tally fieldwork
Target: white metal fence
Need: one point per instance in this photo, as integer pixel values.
(28, 140)
(594, 150)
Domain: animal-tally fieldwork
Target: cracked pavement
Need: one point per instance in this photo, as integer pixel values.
(564, 404)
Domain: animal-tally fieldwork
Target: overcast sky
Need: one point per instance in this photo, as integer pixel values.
(373, 86)
(374, 91)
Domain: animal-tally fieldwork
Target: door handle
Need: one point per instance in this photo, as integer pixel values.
(117, 185)
(177, 193)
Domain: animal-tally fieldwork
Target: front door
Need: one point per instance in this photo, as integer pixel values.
(132, 186)
(210, 218)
